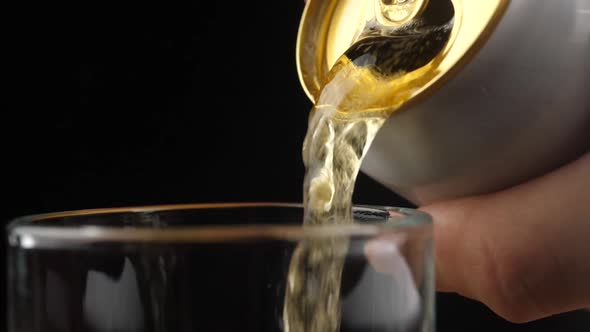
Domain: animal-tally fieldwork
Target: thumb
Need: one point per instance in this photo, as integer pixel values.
(524, 252)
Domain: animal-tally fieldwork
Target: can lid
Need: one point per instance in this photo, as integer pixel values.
(329, 27)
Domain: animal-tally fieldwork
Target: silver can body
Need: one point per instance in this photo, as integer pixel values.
(519, 109)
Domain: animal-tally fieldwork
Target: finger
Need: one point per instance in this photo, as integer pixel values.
(385, 257)
(392, 274)
(525, 252)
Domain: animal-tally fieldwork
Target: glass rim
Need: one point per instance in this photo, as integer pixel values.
(22, 231)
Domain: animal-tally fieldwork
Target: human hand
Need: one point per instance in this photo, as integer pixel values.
(524, 251)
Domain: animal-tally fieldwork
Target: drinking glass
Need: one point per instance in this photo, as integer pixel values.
(222, 267)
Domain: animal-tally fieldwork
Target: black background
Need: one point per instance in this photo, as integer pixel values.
(121, 104)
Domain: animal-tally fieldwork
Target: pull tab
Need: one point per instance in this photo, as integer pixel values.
(398, 11)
